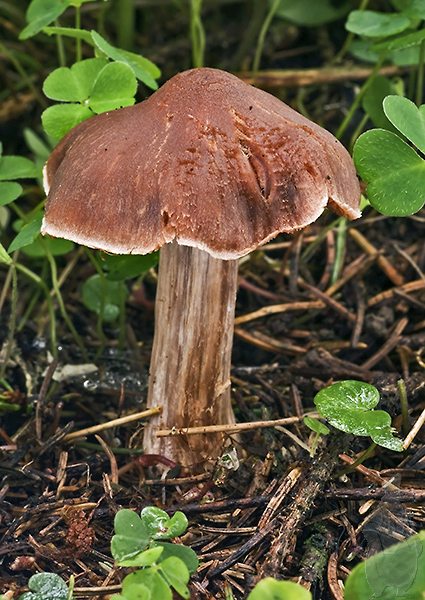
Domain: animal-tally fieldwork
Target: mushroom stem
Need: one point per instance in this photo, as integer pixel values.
(191, 354)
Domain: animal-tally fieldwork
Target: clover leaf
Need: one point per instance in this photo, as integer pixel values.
(97, 292)
(131, 537)
(348, 406)
(145, 70)
(149, 579)
(393, 171)
(28, 233)
(176, 575)
(89, 87)
(370, 23)
(135, 591)
(40, 13)
(14, 167)
(159, 524)
(185, 554)
(408, 118)
(46, 586)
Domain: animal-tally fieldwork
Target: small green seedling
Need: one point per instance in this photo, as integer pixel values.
(348, 406)
(318, 428)
(48, 586)
(138, 542)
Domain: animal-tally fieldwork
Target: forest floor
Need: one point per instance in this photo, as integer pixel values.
(301, 325)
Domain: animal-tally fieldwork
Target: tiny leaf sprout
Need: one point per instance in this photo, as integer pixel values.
(318, 428)
(138, 542)
(348, 406)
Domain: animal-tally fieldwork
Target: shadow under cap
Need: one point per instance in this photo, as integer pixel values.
(207, 160)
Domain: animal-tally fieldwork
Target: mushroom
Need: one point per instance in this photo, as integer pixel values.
(207, 169)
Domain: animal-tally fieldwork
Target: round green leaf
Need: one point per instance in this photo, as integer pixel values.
(27, 234)
(372, 101)
(408, 118)
(159, 524)
(348, 405)
(316, 426)
(114, 87)
(395, 174)
(9, 191)
(184, 553)
(57, 246)
(147, 558)
(74, 84)
(415, 8)
(40, 13)
(398, 572)
(131, 536)
(307, 13)
(128, 266)
(17, 167)
(370, 23)
(46, 586)
(59, 119)
(176, 574)
(134, 592)
(95, 289)
(271, 589)
(150, 579)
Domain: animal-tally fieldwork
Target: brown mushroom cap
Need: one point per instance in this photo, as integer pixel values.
(207, 160)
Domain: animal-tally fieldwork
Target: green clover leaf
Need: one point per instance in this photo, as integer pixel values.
(176, 575)
(184, 553)
(393, 171)
(131, 536)
(408, 118)
(159, 524)
(40, 13)
(95, 290)
(95, 84)
(146, 578)
(370, 23)
(74, 84)
(57, 120)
